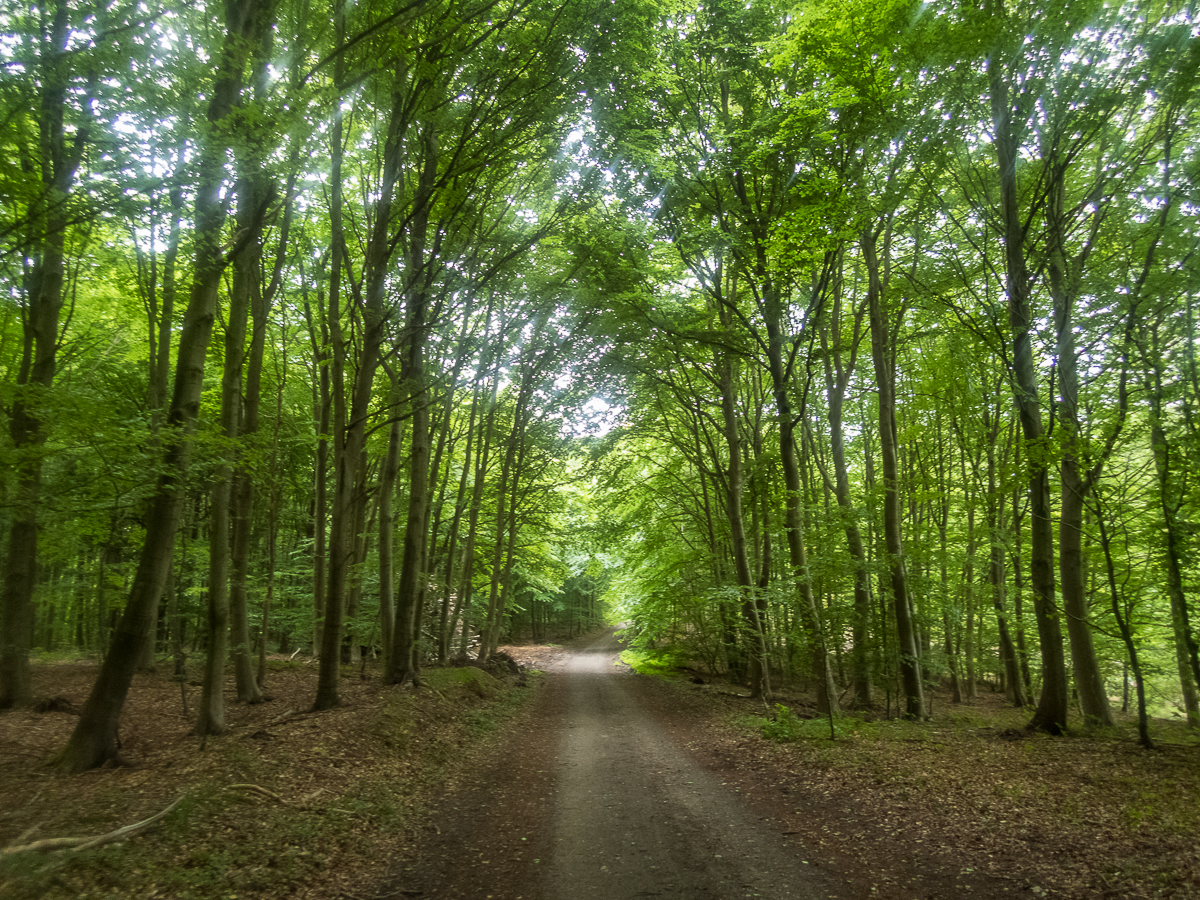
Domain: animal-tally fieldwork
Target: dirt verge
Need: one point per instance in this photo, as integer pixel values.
(967, 805)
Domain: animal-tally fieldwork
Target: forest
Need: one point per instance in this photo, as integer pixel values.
(843, 344)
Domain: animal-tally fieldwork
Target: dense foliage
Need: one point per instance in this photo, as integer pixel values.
(845, 342)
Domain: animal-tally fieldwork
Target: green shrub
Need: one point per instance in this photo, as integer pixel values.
(786, 727)
(649, 661)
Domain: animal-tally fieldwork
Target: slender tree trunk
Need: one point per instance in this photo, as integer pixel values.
(793, 484)
(1019, 593)
(162, 321)
(997, 580)
(351, 424)
(158, 390)
(733, 478)
(211, 712)
(43, 294)
(1051, 713)
(387, 537)
(971, 689)
(363, 523)
(256, 191)
(322, 415)
(950, 632)
(885, 379)
(482, 464)
(1127, 638)
(1172, 555)
(837, 379)
(94, 740)
(413, 575)
(272, 524)
(446, 621)
(492, 641)
(491, 623)
(1076, 484)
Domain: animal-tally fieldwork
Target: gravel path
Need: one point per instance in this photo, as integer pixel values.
(592, 800)
(635, 817)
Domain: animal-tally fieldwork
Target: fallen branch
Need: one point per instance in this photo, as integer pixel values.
(76, 844)
(286, 714)
(262, 791)
(302, 804)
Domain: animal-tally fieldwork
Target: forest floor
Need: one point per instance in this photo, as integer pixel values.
(361, 802)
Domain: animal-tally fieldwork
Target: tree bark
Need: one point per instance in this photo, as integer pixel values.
(43, 293)
(1126, 632)
(351, 424)
(734, 479)
(256, 192)
(322, 420)
(211, 711)
(1189, 678)
(446, 620)
(882, 352)
(94, 740)
(1051, 713)
(1076, 484)
(838, 373)
(411, 590)
(793, 511)
(387, 537)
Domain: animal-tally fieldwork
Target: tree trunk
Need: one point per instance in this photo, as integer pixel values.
(882, 353)
(1189, 678)
(211, 712)
(1126, 632)
(1051, 713)
(387, 538)
(446, 621)
(733, 478)
(94, 740)
(413, 575)
(161, 328)
(322, 420)
(351, 424)
(1018, 591)
(483, 461)
(255, 192)
(950, 632)
(1013, 685)
(43, 294)
(1093, 698)
(837, 380)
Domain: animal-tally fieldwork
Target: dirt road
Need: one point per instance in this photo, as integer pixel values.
(594, 801)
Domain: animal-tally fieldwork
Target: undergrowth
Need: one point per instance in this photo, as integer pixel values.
(785, 727)
(650, 661)
(251, 827)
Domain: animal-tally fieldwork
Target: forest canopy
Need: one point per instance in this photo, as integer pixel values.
(851, 344)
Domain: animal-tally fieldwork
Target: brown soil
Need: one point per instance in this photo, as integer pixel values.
(285, 803)
(414, 793)
(968, 805)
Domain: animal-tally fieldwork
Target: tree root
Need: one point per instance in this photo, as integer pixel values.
(76, 844)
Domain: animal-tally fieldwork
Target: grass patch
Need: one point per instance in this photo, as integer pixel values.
(785, 727)
(654, 662)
